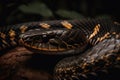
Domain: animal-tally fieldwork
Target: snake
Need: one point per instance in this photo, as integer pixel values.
(92, 45)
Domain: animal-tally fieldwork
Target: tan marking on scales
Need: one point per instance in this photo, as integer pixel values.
(66, 24)
(12, 35)
(95, 31)
(2, 35)
(103, 37)
(44, 25)
(23, 28)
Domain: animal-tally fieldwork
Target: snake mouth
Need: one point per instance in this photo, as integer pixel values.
(51, 42)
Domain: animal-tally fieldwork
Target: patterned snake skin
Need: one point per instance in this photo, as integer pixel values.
(94, 45)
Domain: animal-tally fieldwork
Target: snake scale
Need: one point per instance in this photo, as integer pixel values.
(94, 44)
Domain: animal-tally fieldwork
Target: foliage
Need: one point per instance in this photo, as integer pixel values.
(18, 11)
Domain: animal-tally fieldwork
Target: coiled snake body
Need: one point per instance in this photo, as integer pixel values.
(94, 44)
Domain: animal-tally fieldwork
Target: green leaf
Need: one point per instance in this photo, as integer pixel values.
(69, 14)
(36, 8)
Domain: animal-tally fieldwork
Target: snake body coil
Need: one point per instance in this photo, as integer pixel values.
(97, 41)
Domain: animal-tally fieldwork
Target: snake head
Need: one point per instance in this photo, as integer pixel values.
(58, 41)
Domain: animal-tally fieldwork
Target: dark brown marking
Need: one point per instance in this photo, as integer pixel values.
(13, 43)
(5, 42)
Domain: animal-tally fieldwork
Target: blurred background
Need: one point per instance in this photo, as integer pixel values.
(19, 11)
(20, 64)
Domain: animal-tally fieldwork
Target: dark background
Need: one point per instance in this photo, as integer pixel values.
(20, 63)
(19, 11)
